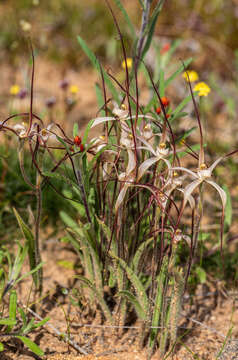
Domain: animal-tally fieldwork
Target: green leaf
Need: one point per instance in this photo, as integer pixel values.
(96, 65)
(28, 235)
(41, 323)
(100, 98)
(86, 131)
(138, 286)
(63, 143)
(75, 130)
(180, 107)
(1, 347)
(16, 268)
(161, 83)
(160, 281)
(12, 309)
(29, 327)
(185, 135)
(177, 72)
(31, 345)
(98, 298)
(138, 308)
(13, 305)
(151, 27)
(10, 322)
(26, 231)
(141, 4)
(23, 316)
(201, 274)
(139, 252)
(126, 17)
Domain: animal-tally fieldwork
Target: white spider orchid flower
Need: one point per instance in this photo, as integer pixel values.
(179, 236)
(119, 114)
(203, 174)
(44, 134)
(127, 177)
(21, 129)
(147, 132)
(98, 144)
(173, 183)
(159, 154)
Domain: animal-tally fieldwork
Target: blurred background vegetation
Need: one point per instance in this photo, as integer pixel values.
(54, 26)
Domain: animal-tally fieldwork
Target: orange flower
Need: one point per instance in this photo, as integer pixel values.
(77, 140)
(165, 101)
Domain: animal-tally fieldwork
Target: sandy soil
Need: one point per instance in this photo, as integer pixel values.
(212, 313)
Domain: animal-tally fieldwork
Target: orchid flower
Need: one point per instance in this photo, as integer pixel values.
(173, 183)
(147, 132)
(21, 129)
(99, 143)
(178, 236)
(45, 134)
(128, 177)
(203, 174)
(119, 114)
(159, 154)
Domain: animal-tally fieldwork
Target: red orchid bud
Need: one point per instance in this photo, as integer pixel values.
(77, 140)
(81, 146)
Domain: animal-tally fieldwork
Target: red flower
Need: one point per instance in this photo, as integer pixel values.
(165, 101)
(81, 147)
(165, 48)
(77, 140)
(158, 110)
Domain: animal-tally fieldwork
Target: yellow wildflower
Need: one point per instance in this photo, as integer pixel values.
(74, 89)
(25, 25)
(202, 88)
(14, 89)
(129, 63)
(190, 75)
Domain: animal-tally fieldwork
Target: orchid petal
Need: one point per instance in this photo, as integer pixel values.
(211, 168)
(131, 162)
(145, 165)
(121, 196)
(221, 192)
(190, 199)
(181, 168)
(100, 120)
(167, 162)
(148, 146)
(189, 189)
